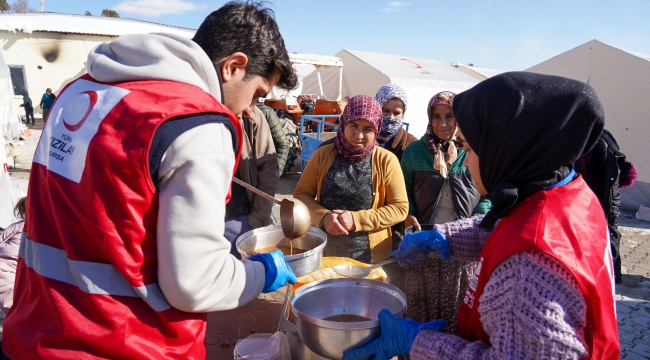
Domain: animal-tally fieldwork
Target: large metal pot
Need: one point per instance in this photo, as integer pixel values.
(313, 241)
(313, 302)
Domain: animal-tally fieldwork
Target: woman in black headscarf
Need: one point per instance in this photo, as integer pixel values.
(543, 284)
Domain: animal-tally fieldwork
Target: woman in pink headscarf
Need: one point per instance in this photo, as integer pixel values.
(355, 189)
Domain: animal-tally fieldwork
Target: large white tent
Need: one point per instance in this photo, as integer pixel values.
(9, 121)
(365, 72)
(478, 73)
(8, 128)
(622, 81)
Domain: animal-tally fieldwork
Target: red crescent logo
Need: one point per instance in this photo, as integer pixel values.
(93, 101)
(417, 66)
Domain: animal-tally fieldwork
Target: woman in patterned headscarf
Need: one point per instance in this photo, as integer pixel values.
(353, 188)
(440, 189)
(392, 136)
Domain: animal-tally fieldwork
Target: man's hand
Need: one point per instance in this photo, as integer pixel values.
(412, 221)
(346, 219)
(332, 223)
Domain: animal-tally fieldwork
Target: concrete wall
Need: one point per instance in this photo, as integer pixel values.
(62, 58)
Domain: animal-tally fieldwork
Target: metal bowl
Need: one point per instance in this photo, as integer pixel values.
(313, 302)
(313, 241)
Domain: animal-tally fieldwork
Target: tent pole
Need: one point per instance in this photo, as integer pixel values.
(340, 83)
(320, 83)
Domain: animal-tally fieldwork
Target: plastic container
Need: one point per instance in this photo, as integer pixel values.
(263, 347)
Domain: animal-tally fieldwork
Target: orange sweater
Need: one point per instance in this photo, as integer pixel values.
(389, 206)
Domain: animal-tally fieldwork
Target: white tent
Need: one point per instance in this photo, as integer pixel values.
(365, 72)
(622, 81)
(478, 73)
(9, 128)
(303, 65)
(9, 120)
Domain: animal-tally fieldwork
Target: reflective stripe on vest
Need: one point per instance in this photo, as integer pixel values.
(89, 277)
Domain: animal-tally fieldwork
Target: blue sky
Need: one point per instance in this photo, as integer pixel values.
(508, 34)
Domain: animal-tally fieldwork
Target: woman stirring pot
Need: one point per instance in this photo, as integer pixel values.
(353, 188)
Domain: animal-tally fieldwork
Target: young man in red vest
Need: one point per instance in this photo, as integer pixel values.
(123, 251)
(544, 282)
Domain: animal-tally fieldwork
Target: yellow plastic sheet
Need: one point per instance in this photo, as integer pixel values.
(325, 271)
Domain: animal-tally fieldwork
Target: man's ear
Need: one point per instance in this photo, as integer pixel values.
(233, 66)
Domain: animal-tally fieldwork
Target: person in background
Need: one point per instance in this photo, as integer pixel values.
(606, 171)
(29, 109)
(123, 237)
(280, 140)
(392, 135)
(353, 188)
(46, 102)
(543, 287)
(440, 190)
(258, 166)
(9, 248)
(9, 244)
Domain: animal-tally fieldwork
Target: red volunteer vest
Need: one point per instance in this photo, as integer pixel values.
(567, 224)
(86, 284)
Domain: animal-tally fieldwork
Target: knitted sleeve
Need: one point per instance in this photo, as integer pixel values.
(465, 238)
(531, 308)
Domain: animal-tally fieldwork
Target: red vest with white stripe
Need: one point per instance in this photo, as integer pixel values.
(567, 224)
(86, 284)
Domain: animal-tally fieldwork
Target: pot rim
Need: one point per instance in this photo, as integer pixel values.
(300, 316)
(271, 228)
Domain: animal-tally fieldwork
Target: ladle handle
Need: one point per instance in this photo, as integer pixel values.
(257, 191)
(382, 263)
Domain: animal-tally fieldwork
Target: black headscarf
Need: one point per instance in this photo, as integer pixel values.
(527, 130)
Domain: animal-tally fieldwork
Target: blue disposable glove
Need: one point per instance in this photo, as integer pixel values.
(397, 336)
(277, 272)
(418, 245)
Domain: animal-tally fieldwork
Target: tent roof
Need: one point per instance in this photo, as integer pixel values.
(404, 67)
(483, 72)
(82, 24)
(313, 59)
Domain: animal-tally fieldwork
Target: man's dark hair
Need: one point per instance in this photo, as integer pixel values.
(248, 27)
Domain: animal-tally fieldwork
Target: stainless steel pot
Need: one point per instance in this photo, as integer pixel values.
(313, 302)
(313, 241)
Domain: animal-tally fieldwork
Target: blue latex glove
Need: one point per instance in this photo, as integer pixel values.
(397, 336)
(277, 272)
(418, 245)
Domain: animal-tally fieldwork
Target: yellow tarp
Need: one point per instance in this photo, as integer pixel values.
(325, 271)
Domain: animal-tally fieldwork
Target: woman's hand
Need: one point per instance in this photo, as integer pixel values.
(346, 219)
(332, 223)
(412, 221)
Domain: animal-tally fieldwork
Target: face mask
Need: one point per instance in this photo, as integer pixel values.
(390, 126)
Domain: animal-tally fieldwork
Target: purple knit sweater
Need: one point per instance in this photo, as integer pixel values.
(531, 307)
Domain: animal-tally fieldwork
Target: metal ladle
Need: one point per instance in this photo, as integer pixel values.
(354, 271)
(294, 214)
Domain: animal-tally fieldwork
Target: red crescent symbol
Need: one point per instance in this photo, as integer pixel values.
(93, 101)
(417, 66)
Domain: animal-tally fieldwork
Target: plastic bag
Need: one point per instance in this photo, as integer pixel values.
(263, 347)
